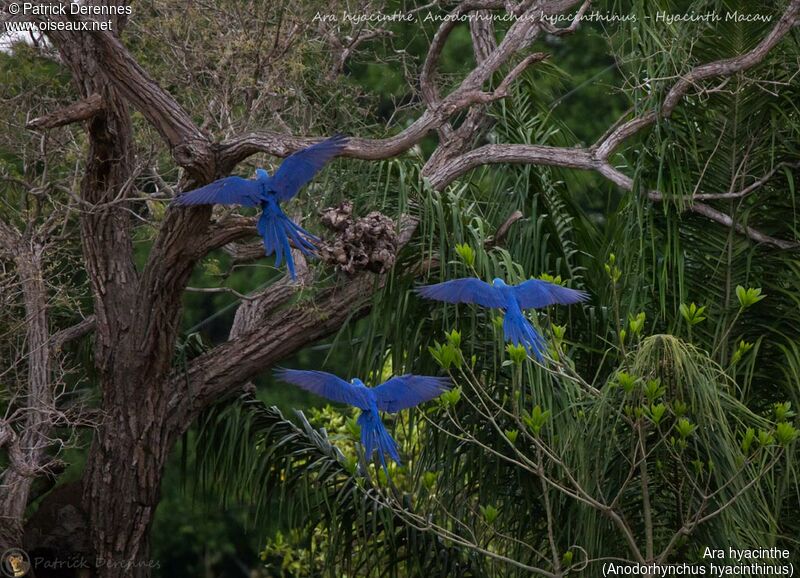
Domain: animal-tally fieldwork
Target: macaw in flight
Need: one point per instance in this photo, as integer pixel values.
(398, 393)
(268, 192)
(513, 299)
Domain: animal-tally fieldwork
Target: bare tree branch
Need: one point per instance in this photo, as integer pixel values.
(257, 346)
(719, 68)
(573, 26)
(79, 111)
(228, 230)
(503, 229)
(701, 209)
(76, 331)
(438, 110)
(190, 146)
(751, 188)
(227, 290)
(578, 158)
(430, 93)
(244, 252)
(17, 457)
(9, 238)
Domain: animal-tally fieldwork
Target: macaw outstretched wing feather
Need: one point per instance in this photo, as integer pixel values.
(536, 293)
(409, 390)
(227, 191)
(467, 290)
(299, 168)
(326, 385)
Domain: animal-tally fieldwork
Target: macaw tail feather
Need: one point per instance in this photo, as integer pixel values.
(374, 436)
(278, 230)
(519, 331)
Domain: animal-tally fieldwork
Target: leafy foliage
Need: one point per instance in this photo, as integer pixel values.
(660, 395)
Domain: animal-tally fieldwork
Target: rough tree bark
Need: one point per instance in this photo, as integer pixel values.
(27, 450)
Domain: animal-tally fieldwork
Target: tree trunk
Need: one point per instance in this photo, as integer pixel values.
(122, 481)
(27, 451)
(11, 528)
(126, 460)
(12, 508)
(123, 471)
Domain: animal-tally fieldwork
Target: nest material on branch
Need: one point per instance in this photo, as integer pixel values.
(368, 243)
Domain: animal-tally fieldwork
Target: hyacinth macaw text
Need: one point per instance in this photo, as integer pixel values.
(513, 299)
(268, 192)
(398, 393)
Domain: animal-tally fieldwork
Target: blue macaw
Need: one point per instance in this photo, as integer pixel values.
(512, 298)
(398, 393)
(268, 192)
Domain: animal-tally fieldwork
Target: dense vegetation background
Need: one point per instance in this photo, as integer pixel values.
(665, 421)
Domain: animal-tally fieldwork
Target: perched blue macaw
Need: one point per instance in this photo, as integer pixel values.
(513, 299)
(398, 393)
(267, 192)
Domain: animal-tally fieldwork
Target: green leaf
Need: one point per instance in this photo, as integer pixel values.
(684, 427)
(691, 313)
(783, 411)
(656, 412)
(517, 353)
(512, 434)
(785, 433)
(613, 272)
(550, 279)
(454, 338)
(536, 419)
(490, 513)
(653, 389)
(466, 253)
(748, 297)
(446, 354)
(353, 429)
(429, 480)
(626, 381)
(742, 348)
(452, 397)
(748, 439)
(636, 324)
(765, 438)
(679, 408)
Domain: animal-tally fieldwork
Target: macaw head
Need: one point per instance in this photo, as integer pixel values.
(262, 174)
(497, 282)
(356, 381)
